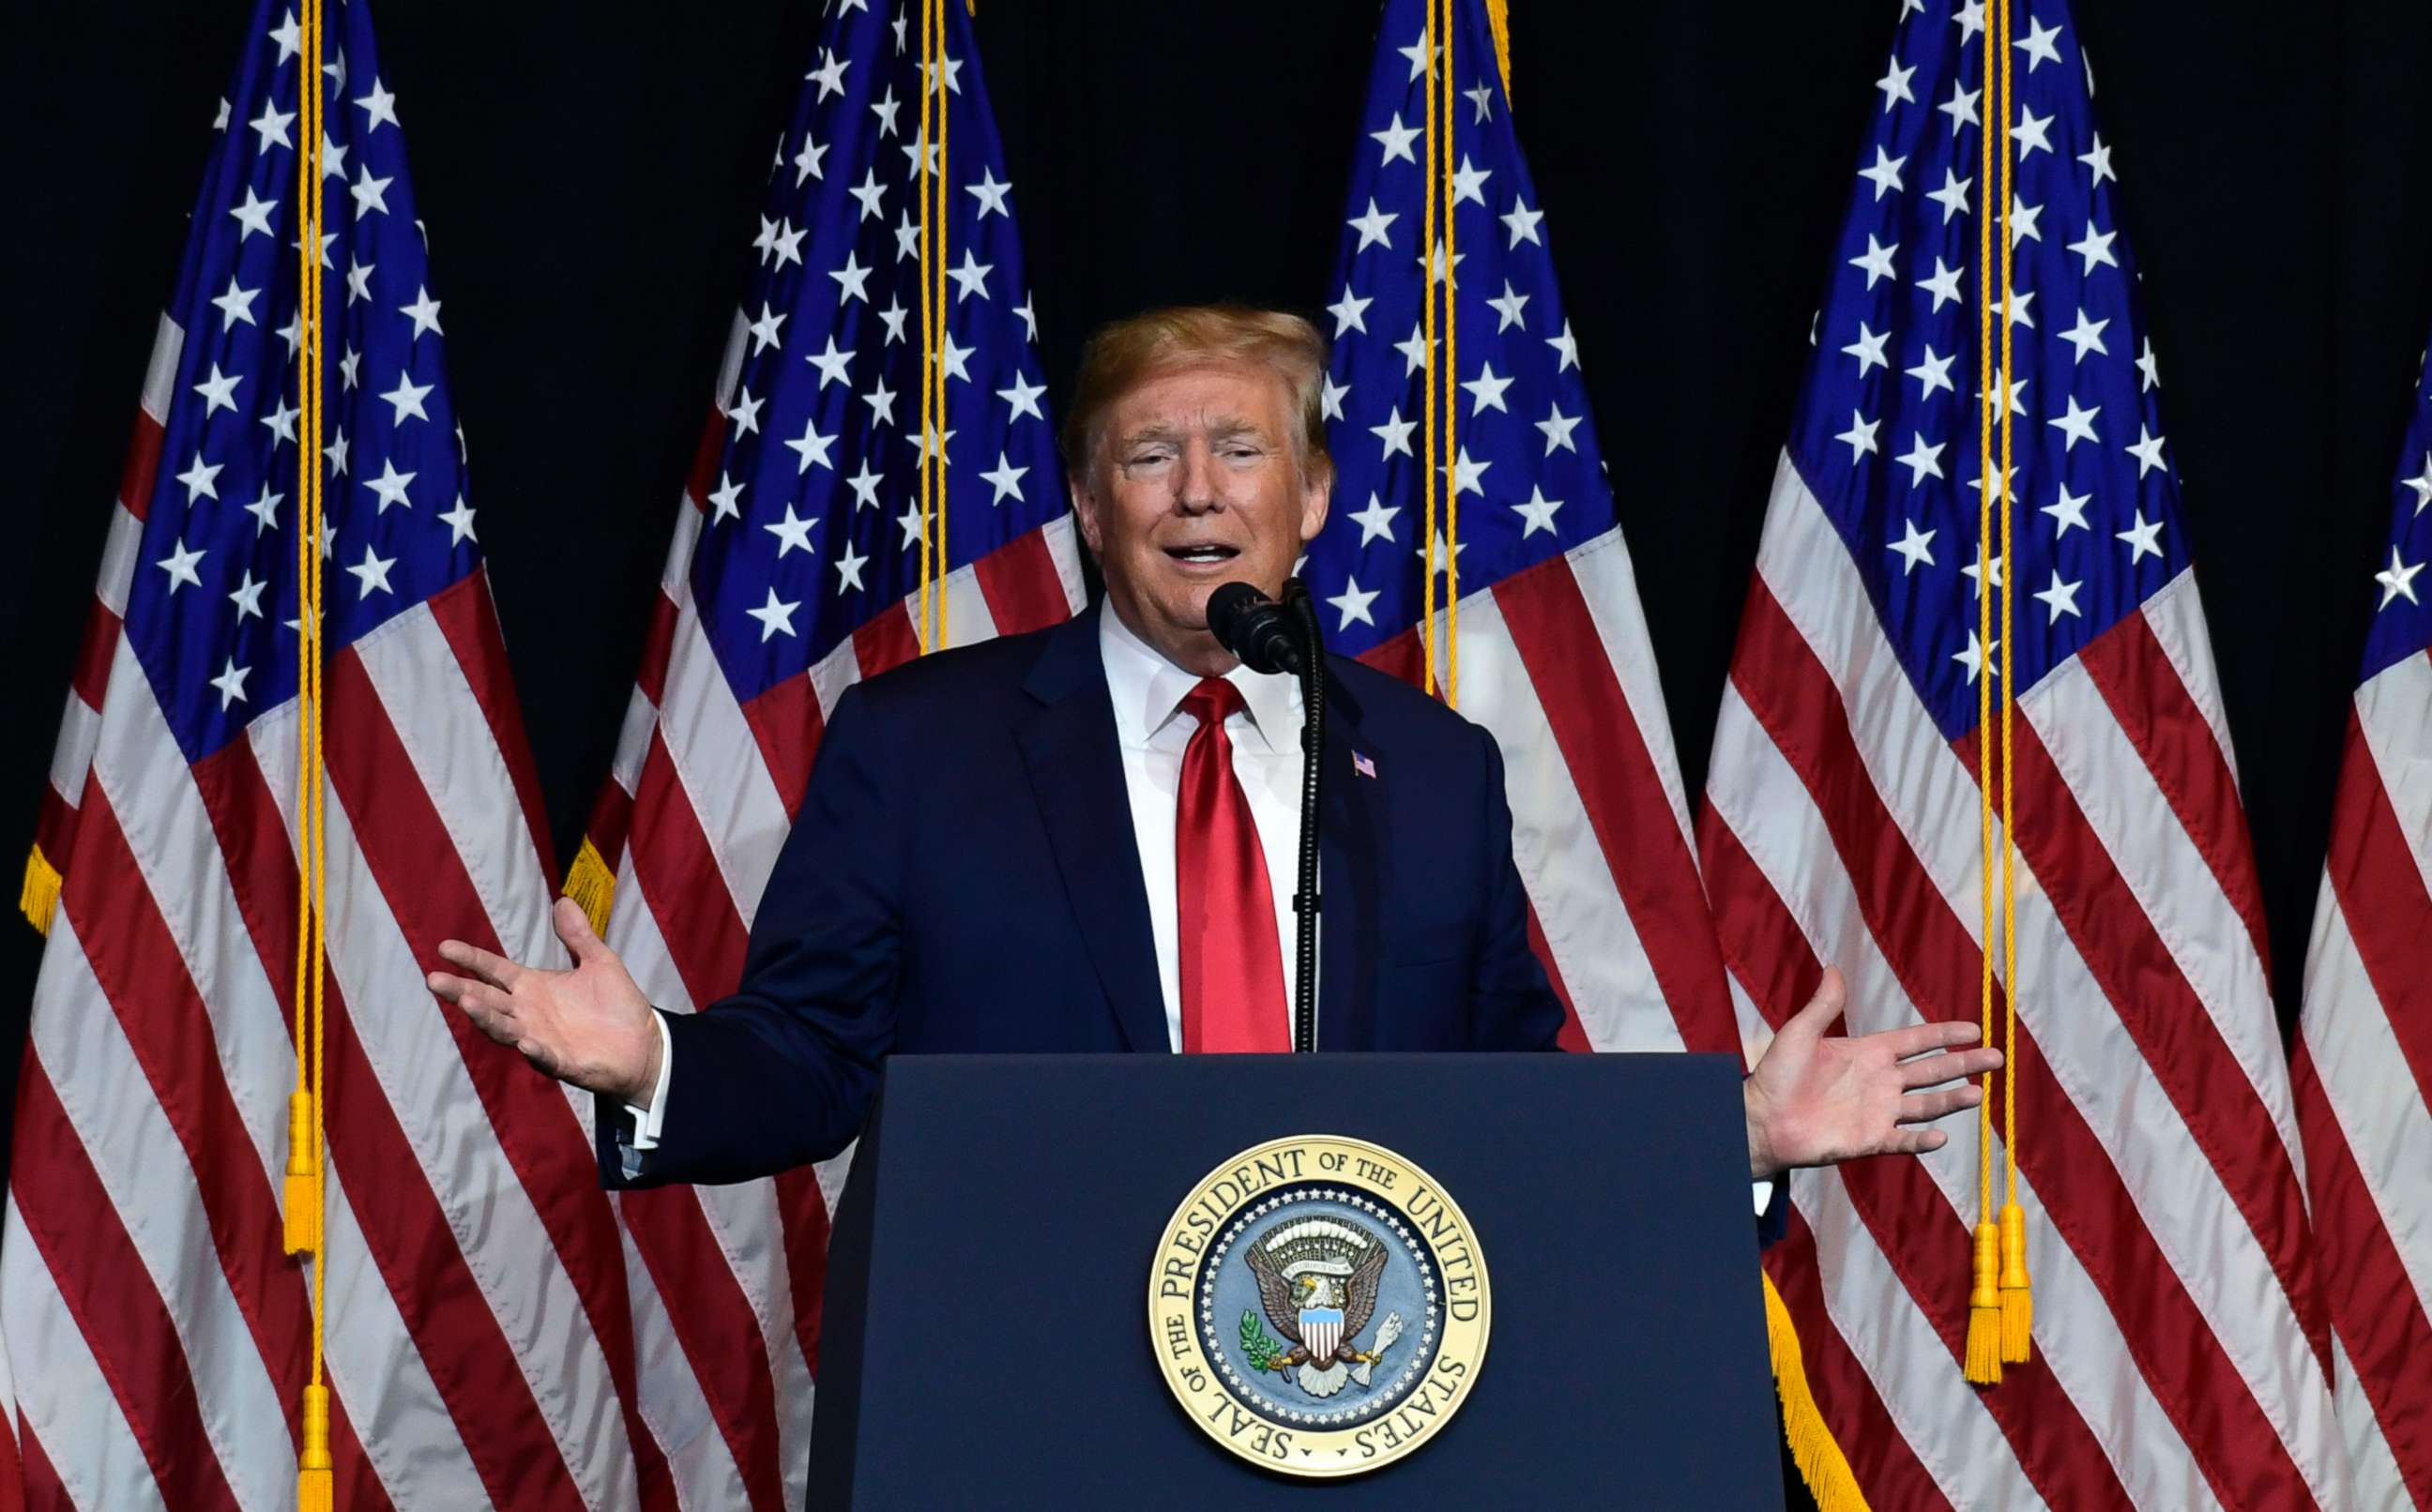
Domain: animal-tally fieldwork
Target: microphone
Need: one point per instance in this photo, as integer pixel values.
(1255, 628)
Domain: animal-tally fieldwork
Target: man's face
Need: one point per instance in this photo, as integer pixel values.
(1196, 484)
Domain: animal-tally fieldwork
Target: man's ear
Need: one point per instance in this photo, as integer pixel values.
(1314, 494)
(1085, 511)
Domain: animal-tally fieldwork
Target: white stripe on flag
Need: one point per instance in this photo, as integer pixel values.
(1610, 587)
(118, 553)
(1568, 877)
(2176, 615)
(718, 764)
(2395, 709)
(2376, 1480)
(672, 1406)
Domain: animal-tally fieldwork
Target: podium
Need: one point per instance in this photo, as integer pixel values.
(985, 1337)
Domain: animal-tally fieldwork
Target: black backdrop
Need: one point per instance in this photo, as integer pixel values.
(589, 171)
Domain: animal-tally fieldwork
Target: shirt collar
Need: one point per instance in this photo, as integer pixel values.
(1146, 689)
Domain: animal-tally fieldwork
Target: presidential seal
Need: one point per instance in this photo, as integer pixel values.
(1319, 1305)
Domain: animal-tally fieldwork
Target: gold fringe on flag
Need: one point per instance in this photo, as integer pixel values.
(1812, 1449)
(40, 892)
(592, 886)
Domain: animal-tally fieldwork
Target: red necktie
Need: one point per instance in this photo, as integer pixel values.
(1232, 962)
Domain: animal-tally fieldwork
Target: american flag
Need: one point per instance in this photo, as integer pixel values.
(1554, 657)
(481, 1319)
(2364, 1044)
(794, 573)
(2181, 1353)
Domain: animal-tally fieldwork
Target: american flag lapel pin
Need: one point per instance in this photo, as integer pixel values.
(1362, 765)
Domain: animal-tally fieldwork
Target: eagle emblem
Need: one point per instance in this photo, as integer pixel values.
(1317, 1282)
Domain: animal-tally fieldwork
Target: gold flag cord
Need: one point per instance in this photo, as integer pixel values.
(1999, 1302)
(934, 192)
(306, 1193)
(1440, 382)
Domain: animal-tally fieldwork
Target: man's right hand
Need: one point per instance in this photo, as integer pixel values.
(590, 1026)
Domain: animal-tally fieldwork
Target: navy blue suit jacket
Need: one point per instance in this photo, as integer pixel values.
(963, 876)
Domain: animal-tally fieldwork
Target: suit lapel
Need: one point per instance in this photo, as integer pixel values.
(1351, 858)
(1077, 772)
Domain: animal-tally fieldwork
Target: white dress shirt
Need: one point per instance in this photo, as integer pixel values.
(1148, 691)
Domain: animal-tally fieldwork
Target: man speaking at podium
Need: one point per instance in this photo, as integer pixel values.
(1083, 839)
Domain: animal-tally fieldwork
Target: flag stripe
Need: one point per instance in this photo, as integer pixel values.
(1572, 1036)
(714, 1326)
(1616, 776)
(1562, 852)
(785, 723)
(468, 615)
(2179, 1039)
(700, 1462)
(671, 858)
(1609, 591)
(1026, 587)
(1928, 945)
(2394, 712)
(79, 1236)
(49, 1348)
(2381, 1310)
(2385, 902)
(743, 820)
(2160, 719)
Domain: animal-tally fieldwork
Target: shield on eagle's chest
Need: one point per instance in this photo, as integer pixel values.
(1320, 1329)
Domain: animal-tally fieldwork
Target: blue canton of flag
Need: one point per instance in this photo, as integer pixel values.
(813, 524)
(1525, 461)
(2402, 620)
(211, 610)
(1886, 429)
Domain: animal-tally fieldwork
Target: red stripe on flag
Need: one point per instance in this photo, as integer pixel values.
(715, 1327)
(658, 645)
(804, 1215)
(84, 1244)
(1572, 1036)
(1401, 657)
(1023, 590)
(2381, 890)
(403, 1225)
(1627, 806)
(136, 961)
(409, 851)
(468, 617)
(43, 1492)
(142, 465)
(887, 640)
(2136, 678)
(1923, 1243)
(681, 882)
(94, 653)
(1930, 950)
(2379, 1314)
(785, 725)
(2181, 1044)
(358, 1484)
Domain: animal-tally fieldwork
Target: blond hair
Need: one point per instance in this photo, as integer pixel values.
(1122, 354)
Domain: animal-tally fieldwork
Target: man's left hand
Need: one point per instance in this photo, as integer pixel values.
(1813, 1101)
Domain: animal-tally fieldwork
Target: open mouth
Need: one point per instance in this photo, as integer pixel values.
(1203, 554)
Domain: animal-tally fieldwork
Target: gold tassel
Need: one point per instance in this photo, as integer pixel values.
(2018, 1302)
(592, 886)
(1983, 1361)
(1812, 1449)
(303, 1205)
(316, 1489)
(41, 892)
(1498, 22)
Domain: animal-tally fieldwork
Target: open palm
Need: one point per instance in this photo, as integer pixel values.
(590, 1025)
(1814, 1100)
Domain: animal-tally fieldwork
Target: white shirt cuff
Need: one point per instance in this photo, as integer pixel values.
(646, 1120)
(1763, 1189)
